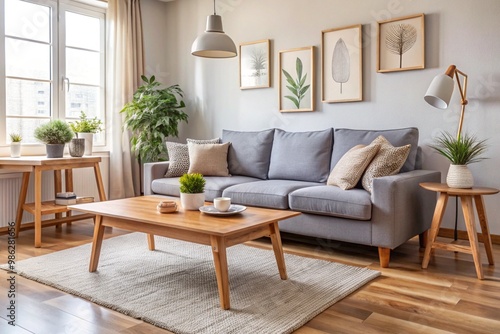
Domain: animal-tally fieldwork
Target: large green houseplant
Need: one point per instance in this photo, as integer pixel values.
(153, 114)
(460, 151)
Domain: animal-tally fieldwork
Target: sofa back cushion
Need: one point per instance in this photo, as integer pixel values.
(345, 139)
(249, 152)
(301, 156)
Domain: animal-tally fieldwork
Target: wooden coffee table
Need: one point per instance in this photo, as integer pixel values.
(139, 214)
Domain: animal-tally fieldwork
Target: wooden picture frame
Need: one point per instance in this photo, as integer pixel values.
(342, 64)
(296, 79)
(401, 44)
(255, 67)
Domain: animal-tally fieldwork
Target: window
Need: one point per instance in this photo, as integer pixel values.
(51, 68)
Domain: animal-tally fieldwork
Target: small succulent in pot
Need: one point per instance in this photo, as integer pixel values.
(192, 187)
(15, 137)
(55, 134)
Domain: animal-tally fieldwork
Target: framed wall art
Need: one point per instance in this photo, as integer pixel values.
(296, 79)
(255, 69)
(342, 64)
(401, 44)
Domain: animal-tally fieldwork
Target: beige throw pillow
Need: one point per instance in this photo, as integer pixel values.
(208, 159)
(178, 155)
(351, 166)
(388, 161)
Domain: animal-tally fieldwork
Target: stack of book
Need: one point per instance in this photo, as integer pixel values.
(66, 198)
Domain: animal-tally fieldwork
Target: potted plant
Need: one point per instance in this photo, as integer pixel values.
(15, 145)
(152, 115)
(460, 152)
(55, 134)
(192, 187)
(85, 128)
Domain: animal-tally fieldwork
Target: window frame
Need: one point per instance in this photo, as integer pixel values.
(58, 71)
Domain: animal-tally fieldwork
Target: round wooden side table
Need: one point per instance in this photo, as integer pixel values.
(466, 196)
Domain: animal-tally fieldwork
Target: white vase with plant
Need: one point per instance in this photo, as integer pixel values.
(15, 145)
(461, 152)
(192, 187)
(55, 134)
(85, 128)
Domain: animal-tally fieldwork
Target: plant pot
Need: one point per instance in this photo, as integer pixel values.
(54, 150)
(15, 150)
(192, 202)
(459, 176)
(89, 140)
(77, 147)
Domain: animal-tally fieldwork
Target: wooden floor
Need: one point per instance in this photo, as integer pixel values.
(447, 297)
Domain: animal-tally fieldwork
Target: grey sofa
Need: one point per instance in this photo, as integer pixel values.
(288, 170)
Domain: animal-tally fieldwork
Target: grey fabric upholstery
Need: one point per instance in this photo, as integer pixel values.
(250, 152)
(268, 194)
(332, 201)
(153, 171)
(302, 156)
(345, 139)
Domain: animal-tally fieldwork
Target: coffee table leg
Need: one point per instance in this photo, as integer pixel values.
(221, 271)
(151, 242)
(278, 249)
(96, 244)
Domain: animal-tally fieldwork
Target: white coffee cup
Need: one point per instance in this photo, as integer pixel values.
(222, 203)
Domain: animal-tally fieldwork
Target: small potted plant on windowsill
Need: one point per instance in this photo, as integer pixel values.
(192, 187)
(461, 152)
(15, 145)
(85, 128)
(55, 134)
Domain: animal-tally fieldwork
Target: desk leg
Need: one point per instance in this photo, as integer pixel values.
(38, 207)
(57, 189)
(221, 271)
(96, 244)
(436, 222)
(22, 200)
(278, 249)
(68, 178)
(483, 221)
(98, 180)
(470, 224)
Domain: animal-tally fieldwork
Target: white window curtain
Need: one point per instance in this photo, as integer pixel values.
(125, 67)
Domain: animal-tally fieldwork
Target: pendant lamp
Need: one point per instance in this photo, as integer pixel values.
(214, 43)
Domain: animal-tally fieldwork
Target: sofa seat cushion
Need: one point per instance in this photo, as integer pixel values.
(332, 201)
(267, 194)
(249, 153)
(213, 187)
(301, 156)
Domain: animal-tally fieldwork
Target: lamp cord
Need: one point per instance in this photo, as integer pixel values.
(214, 8)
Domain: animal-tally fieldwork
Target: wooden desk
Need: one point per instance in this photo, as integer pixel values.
(38, 164)
(466, 197)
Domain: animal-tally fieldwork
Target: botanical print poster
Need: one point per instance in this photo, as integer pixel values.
(254, 65)
(296, 79)
(401, 44)
(342, 65)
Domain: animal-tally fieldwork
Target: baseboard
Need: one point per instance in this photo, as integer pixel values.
(462, 235)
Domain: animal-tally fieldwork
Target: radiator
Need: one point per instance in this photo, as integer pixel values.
(10, 184)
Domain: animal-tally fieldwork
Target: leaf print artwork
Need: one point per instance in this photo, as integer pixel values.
(296, 86)
(341, 64)
(400, 38)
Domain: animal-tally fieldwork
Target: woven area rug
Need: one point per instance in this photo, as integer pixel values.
(174, 287)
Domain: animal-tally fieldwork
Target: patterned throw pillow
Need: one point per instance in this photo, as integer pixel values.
(388, 161)
(178, 155)
(208, 159)
(351, 166)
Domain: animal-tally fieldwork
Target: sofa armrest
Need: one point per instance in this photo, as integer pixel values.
(401, 208)
(153, 171)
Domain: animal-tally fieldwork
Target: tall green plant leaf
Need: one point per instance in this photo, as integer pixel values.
(296, 86)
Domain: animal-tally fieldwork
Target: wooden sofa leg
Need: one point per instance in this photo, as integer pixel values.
(384, 255)
(422, 239)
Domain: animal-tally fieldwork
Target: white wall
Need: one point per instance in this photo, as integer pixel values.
(462, 32)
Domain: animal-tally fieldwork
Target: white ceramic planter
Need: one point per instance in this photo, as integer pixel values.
(459, 176)
(89, 141)
(15, 150)
(192, 202)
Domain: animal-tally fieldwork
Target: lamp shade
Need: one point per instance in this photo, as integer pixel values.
(214, 43)
(439, 92)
